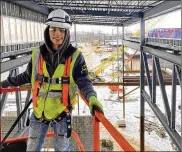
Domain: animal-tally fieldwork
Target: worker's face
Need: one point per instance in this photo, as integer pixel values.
(56, 35)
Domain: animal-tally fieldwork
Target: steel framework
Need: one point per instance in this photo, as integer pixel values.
(116, 13)
(94, 9)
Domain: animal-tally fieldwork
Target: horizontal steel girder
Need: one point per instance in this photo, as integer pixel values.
(94, 23)
(102, 13)
(12, 64)
(94, 5)
(162, 8)
(15, 53)
(33, 6)
(176, 59)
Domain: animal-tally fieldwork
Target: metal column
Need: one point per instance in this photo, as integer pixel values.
(118, 59)
(26, 115)
(181, 100)
(75, 34)
(18, 102)
(173, 99)
(123, 73)
(112, 50)
(142, 85)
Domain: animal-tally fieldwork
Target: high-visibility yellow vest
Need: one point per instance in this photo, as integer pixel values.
(48, 100)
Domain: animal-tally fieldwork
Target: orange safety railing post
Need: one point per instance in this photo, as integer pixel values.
(96, 134)
(123, 143)
(77, 139)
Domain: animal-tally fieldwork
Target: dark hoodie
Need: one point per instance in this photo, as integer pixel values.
(55, 57)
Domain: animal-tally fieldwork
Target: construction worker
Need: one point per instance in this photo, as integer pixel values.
(56, 71)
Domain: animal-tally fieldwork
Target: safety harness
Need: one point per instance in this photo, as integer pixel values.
(64, 80)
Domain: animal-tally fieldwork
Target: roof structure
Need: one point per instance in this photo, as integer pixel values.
(105, 12)
(99, 12)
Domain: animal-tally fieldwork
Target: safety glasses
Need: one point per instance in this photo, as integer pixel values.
(53, 29)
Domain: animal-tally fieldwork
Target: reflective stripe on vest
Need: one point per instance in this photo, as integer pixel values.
(50, 103)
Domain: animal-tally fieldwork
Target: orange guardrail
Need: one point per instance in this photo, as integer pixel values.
(15, 89)
(49, 134)
(124, 144)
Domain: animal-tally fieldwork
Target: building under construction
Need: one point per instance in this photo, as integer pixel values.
(145, 64)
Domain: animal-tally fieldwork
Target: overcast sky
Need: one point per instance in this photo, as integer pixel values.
(170, 20)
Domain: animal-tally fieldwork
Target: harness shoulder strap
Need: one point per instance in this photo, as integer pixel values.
(65, 82)
(37, 82)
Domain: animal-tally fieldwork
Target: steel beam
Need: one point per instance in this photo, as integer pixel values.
(176, 59)
(97, 23)
(32, 6)
(163, 90)
(123, 71)
(153, 80)
(178, 74)
(18, 102)
(133, 45)
(163, 8)
(75, 34)
(173, 134)
(3, 102)
(12, 64)
(26, 115)
(16, 53)
(147, 73)
(102, 13)
(131, 21)
(173, 99)
(95, 5)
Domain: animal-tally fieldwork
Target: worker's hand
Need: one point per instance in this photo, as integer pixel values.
(4, 84)
(94, 104)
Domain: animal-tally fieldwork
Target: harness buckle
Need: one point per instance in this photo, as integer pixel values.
(65, 80)
(49, 80)
(40, 120)
(60, 80)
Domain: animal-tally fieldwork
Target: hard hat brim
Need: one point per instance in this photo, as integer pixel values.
(58, 24)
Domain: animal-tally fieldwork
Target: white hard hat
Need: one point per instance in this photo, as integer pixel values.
(59, 18)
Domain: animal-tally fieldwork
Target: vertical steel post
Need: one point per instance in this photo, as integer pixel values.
(178, 74)
(123, 73)
(78, 104)
(18, 103)
(117, 59)
(173, 99)
(26, 115)
(142, 84)
(3, 102)
(112, 50)
(181, 104)
(75, 34)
